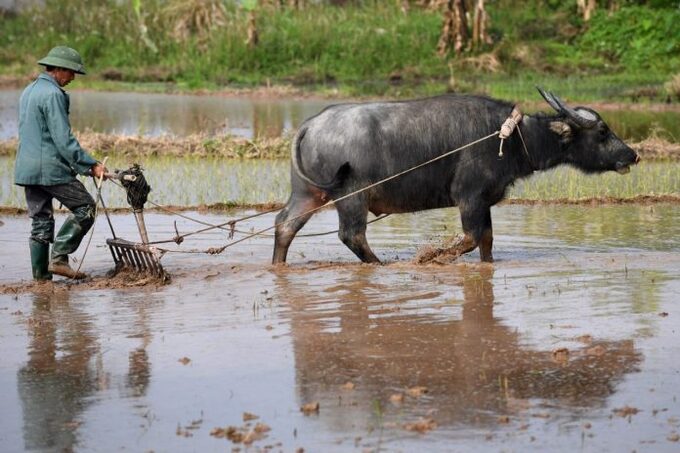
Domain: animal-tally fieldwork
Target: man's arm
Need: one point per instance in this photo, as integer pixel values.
(68, 147)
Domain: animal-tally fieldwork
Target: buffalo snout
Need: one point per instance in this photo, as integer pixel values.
(626, 158)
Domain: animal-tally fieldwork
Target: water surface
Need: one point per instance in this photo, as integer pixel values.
(158, 114)
(566, 343)
(167, 114)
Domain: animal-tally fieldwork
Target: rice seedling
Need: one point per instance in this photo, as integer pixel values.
(207, 180)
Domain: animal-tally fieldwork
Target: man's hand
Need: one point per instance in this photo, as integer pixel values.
(99, 170)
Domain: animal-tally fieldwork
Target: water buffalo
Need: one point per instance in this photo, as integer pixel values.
(349, 146)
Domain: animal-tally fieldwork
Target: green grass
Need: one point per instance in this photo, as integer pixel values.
(369, 49)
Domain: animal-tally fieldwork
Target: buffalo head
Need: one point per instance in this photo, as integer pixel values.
(589, 143)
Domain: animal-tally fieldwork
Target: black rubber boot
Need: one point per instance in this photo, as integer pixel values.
(40, 256)
(67, 241)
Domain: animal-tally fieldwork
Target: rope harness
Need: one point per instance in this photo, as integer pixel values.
(137, 189)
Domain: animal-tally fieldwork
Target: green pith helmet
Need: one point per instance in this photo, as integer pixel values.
(64, 57)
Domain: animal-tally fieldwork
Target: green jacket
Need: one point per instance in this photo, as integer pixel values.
(48, 152)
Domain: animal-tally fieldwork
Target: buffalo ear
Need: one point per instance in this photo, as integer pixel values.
(562, 129)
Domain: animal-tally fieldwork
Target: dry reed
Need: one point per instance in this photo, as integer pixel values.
(230, 147)
(226, 146)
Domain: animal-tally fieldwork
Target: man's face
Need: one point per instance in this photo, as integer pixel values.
(63, 76)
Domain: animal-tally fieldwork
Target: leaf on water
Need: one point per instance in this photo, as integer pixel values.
(310, 408)
(626, 411)
(247, 416)
(184, 360)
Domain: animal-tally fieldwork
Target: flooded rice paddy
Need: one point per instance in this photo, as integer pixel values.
(568, 342)
(165, 114)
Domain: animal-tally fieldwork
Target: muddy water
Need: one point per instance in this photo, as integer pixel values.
(158, 114)
(568, 342)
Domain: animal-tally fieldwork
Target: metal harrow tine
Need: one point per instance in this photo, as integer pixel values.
(138, 257)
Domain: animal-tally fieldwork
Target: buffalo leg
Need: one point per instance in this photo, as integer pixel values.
(353, 213)
(486, 239)
(477, 230)
(289, 221)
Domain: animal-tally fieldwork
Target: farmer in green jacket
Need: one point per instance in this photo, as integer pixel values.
(47, 162)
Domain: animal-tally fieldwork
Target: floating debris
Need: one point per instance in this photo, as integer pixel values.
(310, 408)
(626, 411)
(242, 434)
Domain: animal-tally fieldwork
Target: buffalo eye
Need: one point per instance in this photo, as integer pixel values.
(602, 133)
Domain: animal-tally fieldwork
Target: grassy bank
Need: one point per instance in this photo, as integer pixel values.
(366, 48)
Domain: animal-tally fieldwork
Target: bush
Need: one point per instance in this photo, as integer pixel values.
(636, 37)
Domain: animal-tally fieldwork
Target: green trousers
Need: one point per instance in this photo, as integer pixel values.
(39, 200)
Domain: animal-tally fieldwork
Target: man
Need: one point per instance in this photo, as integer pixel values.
(47, 162)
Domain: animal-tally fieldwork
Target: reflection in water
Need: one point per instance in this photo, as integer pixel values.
(65, 370)
(166, 114)
(59, 376)
(157, 114)
(474, 367)
(139, 366)
(604, 226)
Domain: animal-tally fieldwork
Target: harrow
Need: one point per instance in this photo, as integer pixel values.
(139, 257)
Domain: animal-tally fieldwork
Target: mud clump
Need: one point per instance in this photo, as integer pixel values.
(421, 426)
(397, 398)
(127, 278)
(416, 392)
(349, 385)
(598, 351)
(560, 355)
(123, 279)
(449, 252)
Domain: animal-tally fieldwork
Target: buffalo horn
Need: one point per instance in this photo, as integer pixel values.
(561, 107)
